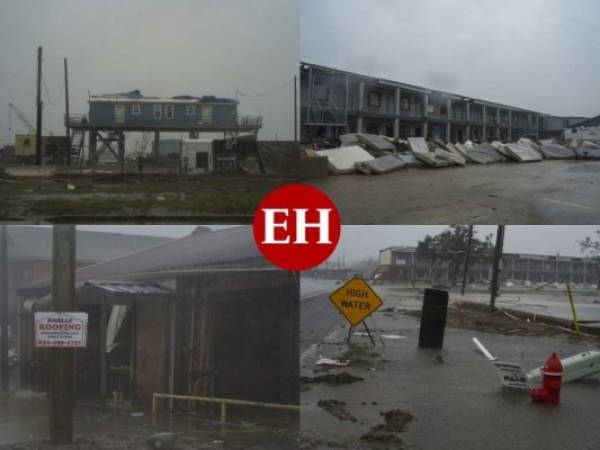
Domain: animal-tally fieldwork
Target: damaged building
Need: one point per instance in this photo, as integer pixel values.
(403, 264)
(203, 315)
(336, 102)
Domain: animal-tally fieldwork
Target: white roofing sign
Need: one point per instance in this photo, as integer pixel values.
(61, 329)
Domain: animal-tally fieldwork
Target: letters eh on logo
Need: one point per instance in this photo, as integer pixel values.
(356, 300)
(296, 227)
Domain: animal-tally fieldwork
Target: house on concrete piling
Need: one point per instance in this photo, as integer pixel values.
(204, 315)
(110, 116)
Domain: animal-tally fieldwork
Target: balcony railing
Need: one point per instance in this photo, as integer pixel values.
(248, 122)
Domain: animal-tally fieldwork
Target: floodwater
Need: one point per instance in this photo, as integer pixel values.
(24, 418)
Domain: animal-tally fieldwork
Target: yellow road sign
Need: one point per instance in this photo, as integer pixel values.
(356, 300)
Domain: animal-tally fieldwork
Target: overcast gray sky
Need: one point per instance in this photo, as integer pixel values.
(538, 54)
(363, 241)
(163, 48)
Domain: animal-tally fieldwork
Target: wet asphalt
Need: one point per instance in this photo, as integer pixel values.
(453, 393)
(546, 192)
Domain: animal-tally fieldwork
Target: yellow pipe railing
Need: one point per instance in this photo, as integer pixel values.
(222, 401)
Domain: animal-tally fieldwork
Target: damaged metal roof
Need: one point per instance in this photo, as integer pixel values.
(35, 243)
(226, 249)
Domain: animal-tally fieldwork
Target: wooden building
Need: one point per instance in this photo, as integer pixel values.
(202, 315)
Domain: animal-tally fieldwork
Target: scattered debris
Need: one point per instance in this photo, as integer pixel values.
(555, 151)
(342, 160)
(450, 157)
(512, 375)
(334, 379)
(336, 408)
(162, 441)
(523, 152)
(389, 440)
(421, 151)
(376, 143)
(332, 362)
(483, 154)
(381, 165)
(396, 421)
(588, 150)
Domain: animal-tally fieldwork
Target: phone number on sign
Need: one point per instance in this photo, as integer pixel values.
(58, 343)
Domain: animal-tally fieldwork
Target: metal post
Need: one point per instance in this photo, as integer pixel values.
(38, 126)
(62, 381)
(67, 129)
(4, 369)
(171, 341)
(295, 108)
(573, 310)
(156, 144)
(103, 365)
(467, 257)
(121, 147)
(496, 267)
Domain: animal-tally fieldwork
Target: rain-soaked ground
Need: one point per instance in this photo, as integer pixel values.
(452, 397)
(24, 423)
(546, 192)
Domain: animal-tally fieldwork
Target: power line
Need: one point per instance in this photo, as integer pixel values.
(266, 94)
(48, 93)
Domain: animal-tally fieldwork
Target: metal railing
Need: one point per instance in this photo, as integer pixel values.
(223, 402)
(251, 122)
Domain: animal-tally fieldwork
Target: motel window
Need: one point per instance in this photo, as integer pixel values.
(136, 110)
(169, 111)
(157, 111)
(374, 99)
(321, 92)
(191, 110)
(405, 103)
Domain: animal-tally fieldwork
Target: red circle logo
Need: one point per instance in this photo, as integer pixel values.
(296, 227)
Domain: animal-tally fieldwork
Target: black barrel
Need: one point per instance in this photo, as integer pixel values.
(433, 318)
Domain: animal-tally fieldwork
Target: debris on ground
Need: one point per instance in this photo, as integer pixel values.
(162, 441)
(477, 316)
(361, 356)
(336, 408)
(386, 435)
(310, 441)
(333, 379)
(383, 440)
(332, 362)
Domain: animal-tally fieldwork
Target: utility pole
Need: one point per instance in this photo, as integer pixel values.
(67, 129)
(62, 381)
(496, 267)
(467, 257)
(4, 308)
(295, 108)
(38, 124)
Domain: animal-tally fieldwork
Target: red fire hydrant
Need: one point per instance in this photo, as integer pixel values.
(549, 392)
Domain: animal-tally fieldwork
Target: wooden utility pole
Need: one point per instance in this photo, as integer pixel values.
(295, 108)
(467, 257)
(62, 381)
(38, 123)
(496, 267)
(67, 129)
(4, 369)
